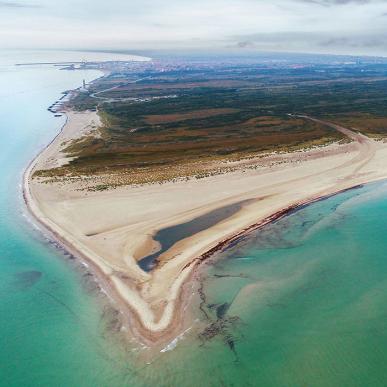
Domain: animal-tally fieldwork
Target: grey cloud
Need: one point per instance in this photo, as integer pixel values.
(330, 26)
(328, 3)
(319, 42)
(245, 44)
(355, 42)
(14, 4)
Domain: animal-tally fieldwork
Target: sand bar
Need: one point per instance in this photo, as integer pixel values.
(114, 229)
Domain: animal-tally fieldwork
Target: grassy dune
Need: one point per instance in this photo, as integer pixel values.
(182, 123)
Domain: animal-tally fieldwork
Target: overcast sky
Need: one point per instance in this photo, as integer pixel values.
(329, 26)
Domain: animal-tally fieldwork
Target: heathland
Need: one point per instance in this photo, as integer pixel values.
(158, 125)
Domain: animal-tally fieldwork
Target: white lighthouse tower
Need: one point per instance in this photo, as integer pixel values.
(83, 89)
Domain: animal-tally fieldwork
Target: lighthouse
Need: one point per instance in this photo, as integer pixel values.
(83, 89)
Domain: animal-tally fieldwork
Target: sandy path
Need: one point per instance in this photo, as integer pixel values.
(114, 229)
(366, 146)
(106, 99)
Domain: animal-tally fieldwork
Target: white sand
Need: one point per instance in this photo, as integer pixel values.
(114, 228)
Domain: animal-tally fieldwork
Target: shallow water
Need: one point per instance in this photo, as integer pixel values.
(302, 302)
(51, 323)
(167, 237)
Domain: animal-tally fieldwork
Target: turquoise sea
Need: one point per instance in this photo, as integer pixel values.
(51, 322)
(301, 302)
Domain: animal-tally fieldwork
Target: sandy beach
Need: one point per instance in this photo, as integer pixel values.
(112, 230)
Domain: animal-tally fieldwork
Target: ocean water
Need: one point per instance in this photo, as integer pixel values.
(51, 322)
(301, 302)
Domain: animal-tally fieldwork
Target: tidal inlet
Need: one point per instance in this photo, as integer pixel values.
(193, 194)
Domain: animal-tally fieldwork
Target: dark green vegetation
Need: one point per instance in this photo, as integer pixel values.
(180, 120)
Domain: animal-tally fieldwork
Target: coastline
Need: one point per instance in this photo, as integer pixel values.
(137, 313)
(132, 320)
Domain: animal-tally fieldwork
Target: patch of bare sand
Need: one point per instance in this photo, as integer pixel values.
(78, 124)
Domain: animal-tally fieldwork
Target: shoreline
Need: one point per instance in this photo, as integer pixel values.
(286, 211)
(158, 325)
(133, 319)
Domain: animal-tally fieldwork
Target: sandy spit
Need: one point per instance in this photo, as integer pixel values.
(111, 230)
